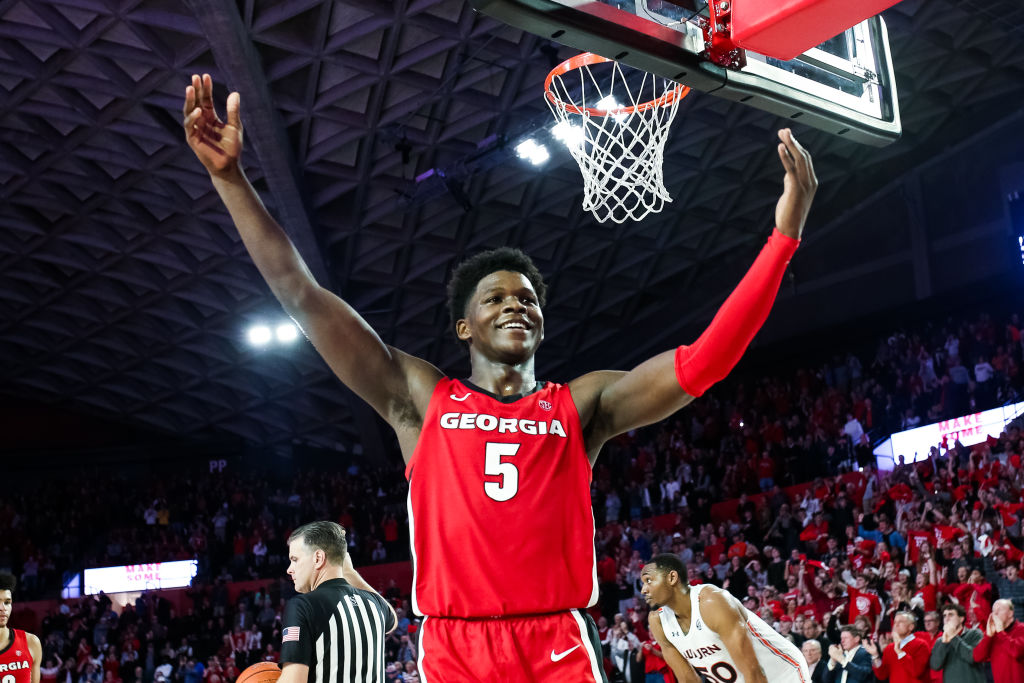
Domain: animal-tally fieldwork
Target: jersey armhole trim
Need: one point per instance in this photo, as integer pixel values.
(442, 385)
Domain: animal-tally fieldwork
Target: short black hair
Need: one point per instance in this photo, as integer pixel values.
(667, 562)
(467, 274)
(327, 536)
(852, 630)
(8, 581)
(959, 609)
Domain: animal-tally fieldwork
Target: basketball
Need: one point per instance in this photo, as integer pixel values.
(262, 672)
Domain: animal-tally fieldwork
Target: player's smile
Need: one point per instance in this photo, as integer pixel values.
(517, 324)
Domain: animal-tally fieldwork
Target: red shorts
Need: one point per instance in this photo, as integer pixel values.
(528, 649)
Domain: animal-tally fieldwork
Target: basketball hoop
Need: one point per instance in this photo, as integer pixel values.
(619, 144)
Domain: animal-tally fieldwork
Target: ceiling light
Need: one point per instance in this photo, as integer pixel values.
(535, 153)
(287, 333)
(570, 135)
(609, 103)
(260, 335)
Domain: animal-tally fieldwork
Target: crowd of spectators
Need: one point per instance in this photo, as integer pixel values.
(234, 523)
(856, 544)
(93, 640)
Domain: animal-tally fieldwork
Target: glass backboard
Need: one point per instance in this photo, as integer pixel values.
(844, 86)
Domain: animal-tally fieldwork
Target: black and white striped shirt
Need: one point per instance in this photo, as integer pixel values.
(338, 632)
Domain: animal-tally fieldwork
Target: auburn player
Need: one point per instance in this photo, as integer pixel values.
(704, 630)
(20, 653)
(499, 464)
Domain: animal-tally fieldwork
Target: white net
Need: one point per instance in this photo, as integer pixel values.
(616, 131)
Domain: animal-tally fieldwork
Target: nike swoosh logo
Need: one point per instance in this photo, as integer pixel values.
(456, 398)
(561, 655)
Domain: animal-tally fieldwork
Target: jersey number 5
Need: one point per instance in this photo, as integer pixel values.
(494, 467)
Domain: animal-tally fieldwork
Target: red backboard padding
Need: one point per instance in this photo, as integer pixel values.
(786, 28)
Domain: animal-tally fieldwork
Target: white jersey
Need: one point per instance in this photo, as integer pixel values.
(704, 649)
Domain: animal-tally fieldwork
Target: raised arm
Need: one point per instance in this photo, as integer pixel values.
(680, 667)
(396, 385)
(665, 383)
(349, 573)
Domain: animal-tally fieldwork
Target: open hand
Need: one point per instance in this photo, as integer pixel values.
(872, 648)
(994, 625)
(217, 144)
(799, 186)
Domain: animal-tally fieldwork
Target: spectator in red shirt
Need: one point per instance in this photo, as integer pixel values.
(925, 594)
(905, 659)
(815, 534)
(656, 669)
(932, 633)
(865, 603)
(765, 471)
(738, 547)
(1003, 643)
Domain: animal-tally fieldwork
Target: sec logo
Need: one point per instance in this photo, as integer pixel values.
(546, 405)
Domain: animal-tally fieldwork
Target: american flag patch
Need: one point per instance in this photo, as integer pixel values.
(290, 634)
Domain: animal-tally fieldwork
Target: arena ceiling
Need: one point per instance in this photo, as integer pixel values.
(125, 289)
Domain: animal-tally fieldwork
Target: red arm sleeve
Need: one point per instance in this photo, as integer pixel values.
(719, 348)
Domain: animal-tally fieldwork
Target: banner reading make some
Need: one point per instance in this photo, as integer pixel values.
(139, 577)
(914, 444)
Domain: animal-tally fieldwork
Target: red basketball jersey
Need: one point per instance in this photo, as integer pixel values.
(16, 660)
(499, 505)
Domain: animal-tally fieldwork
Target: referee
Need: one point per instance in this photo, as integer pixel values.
(334, 631)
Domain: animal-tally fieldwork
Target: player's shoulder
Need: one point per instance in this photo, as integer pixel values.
(710, 592)
(586, 390)
(32, 639)
(718, 605)
(654, 623)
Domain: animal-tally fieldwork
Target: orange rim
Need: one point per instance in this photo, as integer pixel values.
(589, 59)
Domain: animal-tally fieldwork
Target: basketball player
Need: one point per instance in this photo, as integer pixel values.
(499, 463)
(704, 630)
(20, 653)
(334, 629)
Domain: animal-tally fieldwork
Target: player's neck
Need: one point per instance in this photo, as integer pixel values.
(680, 604)
(5, 636)
(500, 378)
